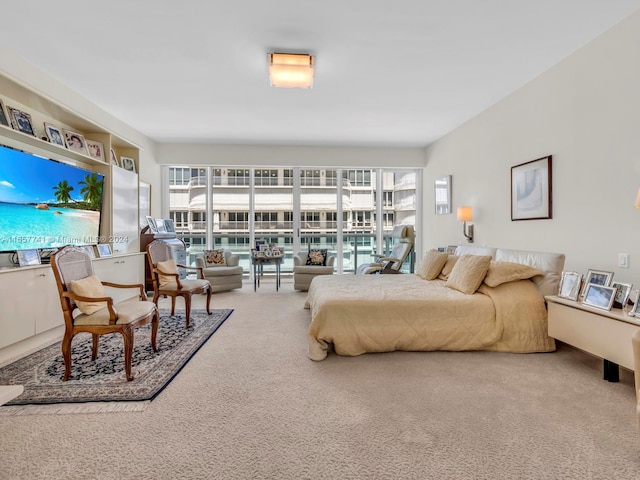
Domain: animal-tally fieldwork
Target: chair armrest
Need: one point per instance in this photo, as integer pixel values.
(113, 313)
(139, 286)
(331, 261)
(232, 259)
(390, 259)
(299, 259)
(200, 262)
(197, 269)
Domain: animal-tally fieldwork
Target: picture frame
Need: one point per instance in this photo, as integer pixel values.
(531, 190)
(28, 257)
(451, 249)
(144, 202)
(128, 163)
(54, 134)
(168, 225)
(21, 121)
(160, 225)
(76, 142)
(152, 224)
(442, 193)
(104, 250)
(570, 284)
(89, 249)
(635, 311)
(597, 277)
(599, 296)
(96, 150)
(114, 158)
(623, 292)
(4, 120)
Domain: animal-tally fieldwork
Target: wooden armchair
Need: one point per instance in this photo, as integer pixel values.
(87, 308)
(167, 282)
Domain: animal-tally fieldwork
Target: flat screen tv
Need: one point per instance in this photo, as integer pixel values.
(46, 204)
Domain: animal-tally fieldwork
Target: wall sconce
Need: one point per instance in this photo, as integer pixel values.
(637, 205)
(466, 215)
(291, 70)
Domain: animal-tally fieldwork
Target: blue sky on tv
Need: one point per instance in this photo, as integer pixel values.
(26, 178)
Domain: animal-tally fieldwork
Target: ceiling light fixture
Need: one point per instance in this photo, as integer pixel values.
(291, 70)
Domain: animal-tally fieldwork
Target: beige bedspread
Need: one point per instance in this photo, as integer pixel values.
(356, 314)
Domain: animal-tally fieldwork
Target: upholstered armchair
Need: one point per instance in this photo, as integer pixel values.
(404, 238)
(304, 271)
(221, 268)
(636, 364)
(87, 308)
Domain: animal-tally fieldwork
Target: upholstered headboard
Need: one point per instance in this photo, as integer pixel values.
(551, 264)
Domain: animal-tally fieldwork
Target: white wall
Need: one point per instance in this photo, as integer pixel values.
(585, 112)
(283, 156)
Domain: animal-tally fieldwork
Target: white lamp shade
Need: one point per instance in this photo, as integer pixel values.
(465, 214)
(291, 70)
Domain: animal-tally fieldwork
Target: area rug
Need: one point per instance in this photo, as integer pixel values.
(104, 380)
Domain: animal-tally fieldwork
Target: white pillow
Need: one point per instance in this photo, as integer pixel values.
(89, 287)
(168, 266)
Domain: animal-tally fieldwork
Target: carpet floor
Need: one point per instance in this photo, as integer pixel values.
(104, 380)
(251, 405)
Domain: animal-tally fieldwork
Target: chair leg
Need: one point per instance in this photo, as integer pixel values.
(173, 306)
(127, 337)
(66, 354)
(209, 300)
(155, 321)
(187, 308)
(94, 348)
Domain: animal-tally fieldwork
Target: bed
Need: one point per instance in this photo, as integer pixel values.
(506, 312)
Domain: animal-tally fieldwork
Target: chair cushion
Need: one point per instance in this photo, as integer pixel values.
(168, 266)
(214, 258)
(128, 312)
(317, 257)
(187, 285)
(432, 264)
(89, 287)
(468, 273)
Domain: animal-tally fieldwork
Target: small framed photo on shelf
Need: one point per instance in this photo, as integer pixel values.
(152, 224)
(623, 291)
(570, 285)
(21, 121)
(635, 311)
(128, 164)
(89, 249)
(3, 115)
(599, 296)
(114, 158)
(28, 257)
(160, 225)
(96, 150)
(451, 249)
(54, 134)
(76, 142)
(104, 250)
(168, 225)
(597, 277)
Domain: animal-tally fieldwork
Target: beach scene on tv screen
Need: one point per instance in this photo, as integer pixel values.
(45, 203)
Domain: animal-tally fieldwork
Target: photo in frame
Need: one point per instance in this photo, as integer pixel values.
(54, 134)
(104, 250)
(168, 226)
(570, 283)
(76, 142)
(635, 311)
(3, 115)
(599, 296)
(160, 225)
(443, 195)
(152, 224)
(89, 249)
(597, 277)
(96, 150)
(531, 190)
(28, 257)
(114, 158)
(623, 291)
(21, 121)
(128, 163)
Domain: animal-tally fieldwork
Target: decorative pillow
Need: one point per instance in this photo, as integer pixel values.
(317, 257)
(168, 266)
(89, 287)
(432, 264)
(468, 273)
(214, 258)
(448, 267)
(503, 272)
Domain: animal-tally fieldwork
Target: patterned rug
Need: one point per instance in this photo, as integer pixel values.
(104, 380)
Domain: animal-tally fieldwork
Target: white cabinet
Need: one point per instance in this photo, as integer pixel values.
(126, 269)
(30, 304)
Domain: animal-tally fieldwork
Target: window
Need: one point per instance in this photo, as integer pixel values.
(310, 178)
(266, 177)
(238, 176)
(179, 176)
(180, 220)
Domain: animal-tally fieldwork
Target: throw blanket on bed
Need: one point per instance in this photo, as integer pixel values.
(383, 313)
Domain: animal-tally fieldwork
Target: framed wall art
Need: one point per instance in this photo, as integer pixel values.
(443, 195)
(531, 190)
(570, 285)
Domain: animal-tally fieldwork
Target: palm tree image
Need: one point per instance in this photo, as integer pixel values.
(92, 190)
(62, 192)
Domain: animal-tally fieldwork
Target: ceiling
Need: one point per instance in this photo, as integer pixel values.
(398, 74)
